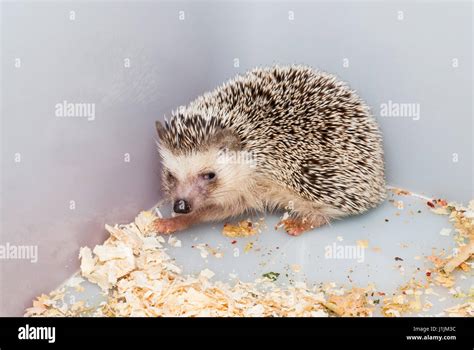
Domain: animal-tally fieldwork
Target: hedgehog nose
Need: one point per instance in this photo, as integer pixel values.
(181, 206)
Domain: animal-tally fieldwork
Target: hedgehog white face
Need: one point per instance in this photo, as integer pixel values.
(209, 173)
(203, 179)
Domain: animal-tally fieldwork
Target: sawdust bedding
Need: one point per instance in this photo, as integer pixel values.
(139, 278)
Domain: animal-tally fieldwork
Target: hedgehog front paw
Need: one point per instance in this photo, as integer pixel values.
(165, 226)
(295, 227)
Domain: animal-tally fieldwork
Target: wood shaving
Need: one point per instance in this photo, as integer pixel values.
(146, 282)
(352, 303)
(407, 300)
(464, 254)
(444, 280)
(464, 226)
(75, 282)
(206, 250)
(206, 273)
(445, 232)
(54, 305)
(461, 310)
(174, 242)
(141, 279)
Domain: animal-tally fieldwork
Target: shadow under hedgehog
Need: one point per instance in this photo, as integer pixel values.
(272, 139)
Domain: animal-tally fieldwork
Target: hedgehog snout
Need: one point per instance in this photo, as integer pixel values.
(181, 206)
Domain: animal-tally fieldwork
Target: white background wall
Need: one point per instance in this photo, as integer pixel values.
(63, 178)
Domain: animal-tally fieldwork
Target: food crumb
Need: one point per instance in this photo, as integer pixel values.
(296, 267)
(248, 247)
(363, 243)
(244, 228)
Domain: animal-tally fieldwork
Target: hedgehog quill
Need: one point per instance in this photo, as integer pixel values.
(274, 138)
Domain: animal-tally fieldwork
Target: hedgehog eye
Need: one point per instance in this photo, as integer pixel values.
(208, 176)
(170, 177)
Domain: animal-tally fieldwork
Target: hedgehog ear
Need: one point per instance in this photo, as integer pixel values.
(160, 129)
(226, 139)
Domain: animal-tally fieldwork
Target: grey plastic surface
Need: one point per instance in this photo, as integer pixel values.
(425, 59)
(396, 252)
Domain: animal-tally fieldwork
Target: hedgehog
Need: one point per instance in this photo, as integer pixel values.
(275, 138)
